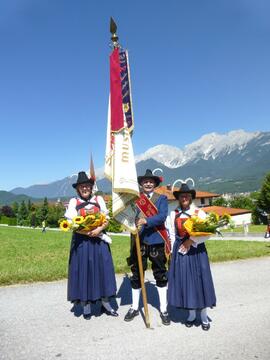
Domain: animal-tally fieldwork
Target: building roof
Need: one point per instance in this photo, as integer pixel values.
(166, 190)
(221, 210)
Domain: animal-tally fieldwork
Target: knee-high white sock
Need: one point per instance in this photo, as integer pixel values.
(192, 315)
(135, 298)
(204, 317)
(86, 309)
(106, 304)
(162, 291)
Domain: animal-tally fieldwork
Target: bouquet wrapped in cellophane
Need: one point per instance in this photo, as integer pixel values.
(196, 226)
(87, 223)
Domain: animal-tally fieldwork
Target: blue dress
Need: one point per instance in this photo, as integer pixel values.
(190, 284)
(91, 272)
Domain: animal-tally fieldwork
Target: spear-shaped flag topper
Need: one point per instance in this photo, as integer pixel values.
(92, 174)
(113, 29)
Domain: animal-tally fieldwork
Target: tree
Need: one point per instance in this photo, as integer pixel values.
(44, 209)
(263, 201)
(264, 196)
(220, 202)
(29, 205)
(22, 214)
(15, 208)
(33, 219)
(7, 211)
(242, 202)
(56, 212)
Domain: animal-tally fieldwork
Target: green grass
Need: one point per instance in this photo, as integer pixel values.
(251, 228)
(27, 255)
(225, 250)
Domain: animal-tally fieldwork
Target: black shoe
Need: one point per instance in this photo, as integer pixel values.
(206, 327)
(111, 313)
(130, 315)
(165, 318)
(190, 323)
(87, 316)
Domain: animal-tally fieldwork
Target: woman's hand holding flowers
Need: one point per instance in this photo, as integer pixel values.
(185, 246)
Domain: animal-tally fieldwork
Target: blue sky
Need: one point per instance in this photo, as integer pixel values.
(196, 67)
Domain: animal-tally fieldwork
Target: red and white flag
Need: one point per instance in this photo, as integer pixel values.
(120, 166)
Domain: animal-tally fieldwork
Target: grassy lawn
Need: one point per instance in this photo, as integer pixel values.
(27, 255)
(251, 228)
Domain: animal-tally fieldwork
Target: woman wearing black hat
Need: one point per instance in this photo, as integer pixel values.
(190, 283)
(91, 274)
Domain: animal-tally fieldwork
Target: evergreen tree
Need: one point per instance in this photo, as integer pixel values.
(263, 202)
(22, 214)
(29, 205)
(33, 219)
(44, 209)
(264, 197)
(15, 208)
(56, 212)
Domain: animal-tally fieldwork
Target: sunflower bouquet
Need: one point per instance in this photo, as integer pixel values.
(87, 223)
(209, 226)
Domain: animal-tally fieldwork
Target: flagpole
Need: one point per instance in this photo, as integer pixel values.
(141, 272)
(114, 38)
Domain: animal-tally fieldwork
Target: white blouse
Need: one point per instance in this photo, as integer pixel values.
(170, 225)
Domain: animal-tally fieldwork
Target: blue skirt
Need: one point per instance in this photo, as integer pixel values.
(190, 283)
(91, 272)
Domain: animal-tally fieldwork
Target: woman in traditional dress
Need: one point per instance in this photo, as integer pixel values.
(190, 283)
(91, 274)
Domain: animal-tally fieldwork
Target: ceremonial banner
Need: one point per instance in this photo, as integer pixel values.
(119, 160)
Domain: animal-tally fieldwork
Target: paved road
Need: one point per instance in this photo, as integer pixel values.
(36, 322)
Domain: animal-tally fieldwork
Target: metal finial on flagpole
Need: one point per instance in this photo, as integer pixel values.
(113, 29)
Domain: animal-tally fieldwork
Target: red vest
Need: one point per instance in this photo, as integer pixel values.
(84, 212)
(179, 222)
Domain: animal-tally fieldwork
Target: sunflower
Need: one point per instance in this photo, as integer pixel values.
(78, 220)
(213, 218)
(226, 217)
(210, 225)
(64, 225)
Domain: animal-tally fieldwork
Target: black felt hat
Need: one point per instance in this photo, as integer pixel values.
(83, 179)
(148, 175)
(183, 190)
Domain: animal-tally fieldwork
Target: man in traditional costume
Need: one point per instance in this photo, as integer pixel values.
(152, 210)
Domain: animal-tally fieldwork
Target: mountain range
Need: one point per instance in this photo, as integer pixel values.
(233, 162)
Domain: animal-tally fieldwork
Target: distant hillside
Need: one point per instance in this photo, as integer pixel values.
(7, 198)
